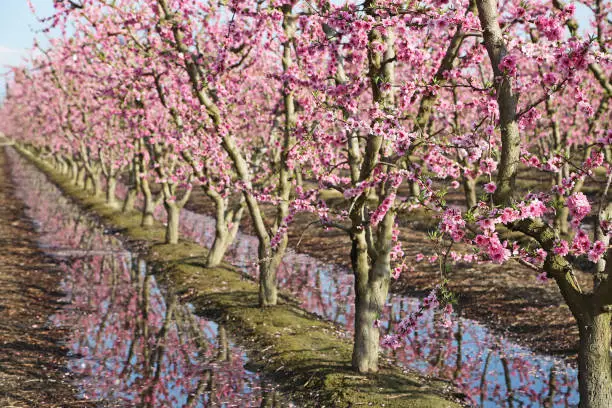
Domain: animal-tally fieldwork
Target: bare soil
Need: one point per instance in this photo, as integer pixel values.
(32, 361)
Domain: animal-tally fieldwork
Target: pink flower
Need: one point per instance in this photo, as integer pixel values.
(540, 255)
(488, 166)
(542, 278)
(487, 225)
(509, 215)
(419, 257)
(561, 248)
(597, 251)
(508, 65)
(481, 240)
(490, 188)
(579, 206)
(581, 243)
(550, 28)
(378, 215)
(391, 341)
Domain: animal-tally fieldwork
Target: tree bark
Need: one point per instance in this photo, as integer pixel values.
(111, 187)
(148, 207)
(173, 212)
(594, 365)
(469, 187)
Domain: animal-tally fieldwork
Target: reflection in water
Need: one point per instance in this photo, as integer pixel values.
(490, 370)
(131, 343)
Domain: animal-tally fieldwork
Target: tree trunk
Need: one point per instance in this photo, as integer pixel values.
(594, 365)
(371, 288)
(130, 200)
(561, 223)
(469, 187)
(111, 186)
(219, 247)
(224, 235)
(148, 207)
(95, 183)
(172, 226)
(81, 177)
(74, 172)
(268, 292)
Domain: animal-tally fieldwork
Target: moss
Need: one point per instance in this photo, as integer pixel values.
(307, 356)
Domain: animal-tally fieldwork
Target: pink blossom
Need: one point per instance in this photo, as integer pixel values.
(581, 243)
(597, 251)
(508, 65)
(561, 247)
(579, 206)
(488, 166)
(490, 188)
(509, 215)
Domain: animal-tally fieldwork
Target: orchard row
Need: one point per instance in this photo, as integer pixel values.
(385, 105)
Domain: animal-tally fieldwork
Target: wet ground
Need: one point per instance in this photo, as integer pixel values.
(126, 340)
(33, 365)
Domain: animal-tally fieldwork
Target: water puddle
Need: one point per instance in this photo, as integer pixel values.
(131, 342)
(489, 369)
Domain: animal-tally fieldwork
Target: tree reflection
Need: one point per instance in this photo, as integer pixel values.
(131, 341)
(490, 370)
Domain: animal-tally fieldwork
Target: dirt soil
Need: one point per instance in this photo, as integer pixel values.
(32, 362)
(507, 298)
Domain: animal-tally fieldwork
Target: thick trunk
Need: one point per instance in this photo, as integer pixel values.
(469, 187)
(371, 288)
(172, 226)
(133, 188)
(111, 187)
(219, 247)
(95, 185)
(224, 233)
(594, 369)
(130, 200)
(268, 292)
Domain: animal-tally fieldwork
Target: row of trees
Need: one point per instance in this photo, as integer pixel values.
(389, 104)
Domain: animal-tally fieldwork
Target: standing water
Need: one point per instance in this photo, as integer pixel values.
(489, 369)
(131, 342)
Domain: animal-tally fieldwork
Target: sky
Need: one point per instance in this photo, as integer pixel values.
(17, 25)
(18, 28)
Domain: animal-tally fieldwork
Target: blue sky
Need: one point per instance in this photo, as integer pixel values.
(17, 26)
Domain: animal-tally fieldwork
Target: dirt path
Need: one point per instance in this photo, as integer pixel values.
(32, 363)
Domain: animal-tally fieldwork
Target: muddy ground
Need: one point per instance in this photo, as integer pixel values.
(32, 361)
